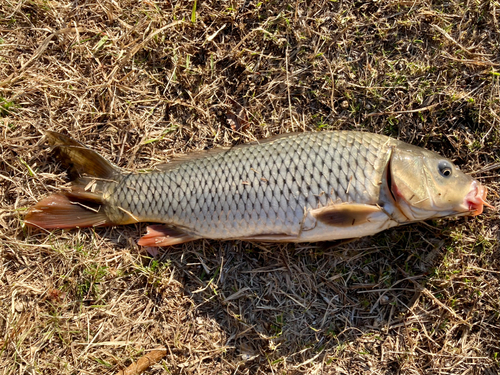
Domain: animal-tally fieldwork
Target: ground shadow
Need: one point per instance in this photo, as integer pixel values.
(326, 306)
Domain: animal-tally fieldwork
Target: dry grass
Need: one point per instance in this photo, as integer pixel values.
(141, 81)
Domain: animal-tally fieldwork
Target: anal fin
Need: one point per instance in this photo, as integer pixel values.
(161, 235)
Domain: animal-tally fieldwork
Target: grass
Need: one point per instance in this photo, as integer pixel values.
(141, 82)
(6, 107)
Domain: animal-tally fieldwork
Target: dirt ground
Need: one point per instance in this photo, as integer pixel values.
(143, 81)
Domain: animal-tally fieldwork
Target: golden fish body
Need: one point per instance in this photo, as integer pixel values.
(294, 188)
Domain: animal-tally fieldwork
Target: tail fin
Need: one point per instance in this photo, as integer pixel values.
(63, 211)
(83, 206)
(78, 159)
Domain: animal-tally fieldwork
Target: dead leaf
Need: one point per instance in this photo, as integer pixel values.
(237, 118)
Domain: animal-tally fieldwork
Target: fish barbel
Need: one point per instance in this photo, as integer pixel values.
(292, 188)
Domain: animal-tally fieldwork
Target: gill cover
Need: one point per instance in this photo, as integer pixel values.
(424, 184)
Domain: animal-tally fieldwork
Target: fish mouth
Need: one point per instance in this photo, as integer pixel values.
(475, 200)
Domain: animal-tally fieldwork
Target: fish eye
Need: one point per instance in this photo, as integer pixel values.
(445, 168)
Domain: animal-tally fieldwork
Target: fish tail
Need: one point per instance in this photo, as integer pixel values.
(84, 205)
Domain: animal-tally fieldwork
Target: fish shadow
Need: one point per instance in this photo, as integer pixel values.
(325, 305)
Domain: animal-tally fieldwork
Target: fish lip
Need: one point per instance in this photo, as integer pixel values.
(475, 200)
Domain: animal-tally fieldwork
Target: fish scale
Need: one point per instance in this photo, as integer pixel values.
(257, 189)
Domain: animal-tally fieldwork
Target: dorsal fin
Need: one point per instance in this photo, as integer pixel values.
(78, 159)
(194, 155)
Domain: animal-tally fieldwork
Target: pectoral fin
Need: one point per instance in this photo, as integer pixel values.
(160, 235)
(345, 214)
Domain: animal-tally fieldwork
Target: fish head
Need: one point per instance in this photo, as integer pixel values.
(426, 185)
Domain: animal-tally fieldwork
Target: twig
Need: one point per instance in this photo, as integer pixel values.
(17, 75)
(426, 291)
(399, 112)
(143, 363)
(138, 46)
(466, 61)
(288, 88)
(448, 36)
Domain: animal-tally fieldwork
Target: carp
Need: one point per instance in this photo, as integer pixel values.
(303, 187)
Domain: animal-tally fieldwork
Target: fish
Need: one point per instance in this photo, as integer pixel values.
(300, 187)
